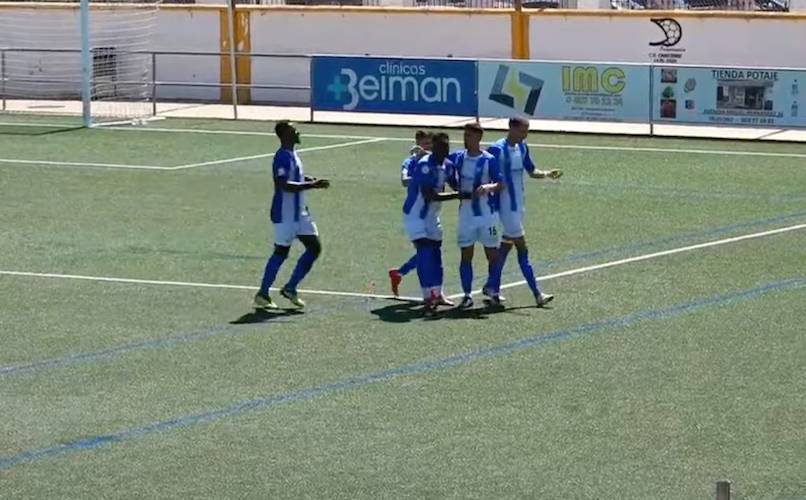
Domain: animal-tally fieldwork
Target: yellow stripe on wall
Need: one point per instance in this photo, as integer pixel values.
(243, 63)
(520, 35)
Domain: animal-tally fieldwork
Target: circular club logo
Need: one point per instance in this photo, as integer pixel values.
(671, 29)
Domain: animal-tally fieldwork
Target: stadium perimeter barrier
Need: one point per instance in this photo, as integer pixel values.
(550, 90)
(645, 94)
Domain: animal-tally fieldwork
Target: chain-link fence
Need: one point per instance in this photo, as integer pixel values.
(740, 5)
(730, 5)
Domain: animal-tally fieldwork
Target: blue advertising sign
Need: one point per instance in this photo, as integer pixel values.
(394, 85)
(564, 91)
(729, 96)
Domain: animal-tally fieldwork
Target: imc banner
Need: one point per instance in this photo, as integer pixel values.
(394, 85)
(564, 91)
(728, 96)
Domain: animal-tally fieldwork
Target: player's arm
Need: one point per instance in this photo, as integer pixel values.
(405, 172)
(452, 177)
(431, 194)
(546, 174)
(496, 183)
(535, 173)
(298, 186)
(281, 169)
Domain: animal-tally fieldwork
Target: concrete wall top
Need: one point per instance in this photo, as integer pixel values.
(432, 10)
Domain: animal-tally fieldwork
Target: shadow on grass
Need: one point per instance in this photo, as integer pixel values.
(406, 311)
(13, 129)
(265, 316)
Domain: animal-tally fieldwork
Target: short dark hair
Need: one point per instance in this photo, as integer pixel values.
(475, 127)
(517, 120)
(442, 137)
(422, 134)
(282, 127)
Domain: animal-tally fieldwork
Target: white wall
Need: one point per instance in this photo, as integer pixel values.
(707, 40)
(420, 34)
(188, 30)
(168, 30)
(733, 40)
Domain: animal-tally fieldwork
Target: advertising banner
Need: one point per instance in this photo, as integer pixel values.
(728, 96)
(394, 85)
(564, 91)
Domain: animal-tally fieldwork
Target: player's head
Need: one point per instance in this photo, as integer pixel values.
(518, 129)
(473, 135)
(424, 139)
(442, 146)
(287, 133)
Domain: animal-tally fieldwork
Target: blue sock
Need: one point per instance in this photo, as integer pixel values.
(424, 272)
(494, 278)
(409, 266)
(466, 274)
(270, 273)
(439, 272)
(304, 264)
(528, 272)
(503, 251)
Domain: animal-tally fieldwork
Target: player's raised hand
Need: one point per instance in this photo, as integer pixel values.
(417, 150)
(546, 174)
(321, 184)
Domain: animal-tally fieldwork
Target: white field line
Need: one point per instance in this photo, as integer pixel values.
(15, 161)
(135, 281)
(269, 155)
(247, 132)
(665, 150)
(722, 152)
(649, 256)
(570, 272)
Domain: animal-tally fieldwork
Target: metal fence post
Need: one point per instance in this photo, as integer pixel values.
(231, 9)
(3, 77)
(723, 490)
(153, 84)
(651, 99)
(310, 89)
(478, 99)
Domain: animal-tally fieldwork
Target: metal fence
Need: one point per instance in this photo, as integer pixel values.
(157, 87)
(729, 5)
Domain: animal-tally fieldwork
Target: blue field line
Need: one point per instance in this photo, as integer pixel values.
(695, 194)
(111, 352)
(171, 340)
(417, 368)
(624, 250)
(714, 231)
(145, 344)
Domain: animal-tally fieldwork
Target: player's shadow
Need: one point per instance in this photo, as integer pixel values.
(405, 312)
(399, 312)
(475, 313)
(265, 316)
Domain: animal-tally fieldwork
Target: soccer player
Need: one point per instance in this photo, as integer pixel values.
(290, 217)
(425, 194)
(422, 140)
(477, 177)
(513, 157)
